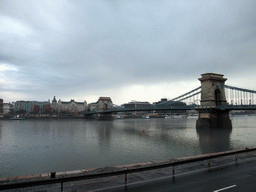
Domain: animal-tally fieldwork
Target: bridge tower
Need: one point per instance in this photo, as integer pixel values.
(1, 108)
(212, 97)
(105, 103)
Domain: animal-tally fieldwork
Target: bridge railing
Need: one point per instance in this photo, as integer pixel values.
(185, 107)
(151, 108)
(237, 107)
(124, 170)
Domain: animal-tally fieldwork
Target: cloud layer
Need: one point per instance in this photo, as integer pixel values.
(140, 50)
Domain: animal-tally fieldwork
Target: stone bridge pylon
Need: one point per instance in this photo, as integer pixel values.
(212, 97)
(105, 104)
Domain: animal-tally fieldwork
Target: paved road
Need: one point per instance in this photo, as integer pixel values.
(195, 177)
(231, 179)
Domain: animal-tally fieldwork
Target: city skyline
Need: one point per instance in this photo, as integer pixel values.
(129, 50)
(55, 99)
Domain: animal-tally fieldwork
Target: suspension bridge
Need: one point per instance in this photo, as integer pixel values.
(213, 100)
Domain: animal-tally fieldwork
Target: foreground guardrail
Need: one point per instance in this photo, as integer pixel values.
(122, 171)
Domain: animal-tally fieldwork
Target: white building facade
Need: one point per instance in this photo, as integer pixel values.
(68, 107)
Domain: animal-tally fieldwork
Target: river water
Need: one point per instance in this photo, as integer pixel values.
(40, 146)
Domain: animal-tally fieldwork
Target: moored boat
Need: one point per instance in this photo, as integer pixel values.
(17, 118)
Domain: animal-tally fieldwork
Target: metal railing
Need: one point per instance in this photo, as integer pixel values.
(124, 171)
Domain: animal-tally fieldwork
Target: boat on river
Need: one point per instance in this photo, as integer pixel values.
(17, 118)
(179, 116)
(193, 116)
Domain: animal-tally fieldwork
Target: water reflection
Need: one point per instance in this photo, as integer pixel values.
(213, 140)
(104, 133)
(166, 138)
(77, 144)
(1, 130)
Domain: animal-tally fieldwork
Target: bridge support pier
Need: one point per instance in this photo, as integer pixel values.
(90, 116)
(104, 116)
(213, 118)
(212, 98)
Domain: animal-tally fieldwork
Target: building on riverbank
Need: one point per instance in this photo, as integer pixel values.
(136, 104)
(8, 109)
(31, 107)
(71, 107)
(56, 108)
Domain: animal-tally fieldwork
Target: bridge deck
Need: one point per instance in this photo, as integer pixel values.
(179, 108)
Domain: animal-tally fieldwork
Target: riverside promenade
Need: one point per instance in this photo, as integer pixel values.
(125, 176)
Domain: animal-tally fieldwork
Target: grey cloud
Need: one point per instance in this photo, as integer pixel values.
(91, 45)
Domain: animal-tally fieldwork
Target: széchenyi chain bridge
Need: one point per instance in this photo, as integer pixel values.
(213, 100)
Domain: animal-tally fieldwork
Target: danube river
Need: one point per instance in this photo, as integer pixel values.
(40, 146)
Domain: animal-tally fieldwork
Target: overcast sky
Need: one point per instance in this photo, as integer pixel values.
(140, 50)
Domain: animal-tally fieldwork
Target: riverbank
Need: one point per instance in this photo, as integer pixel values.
(98, 178)
(42, 118)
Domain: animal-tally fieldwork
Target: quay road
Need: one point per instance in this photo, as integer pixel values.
(232, 179)
(214, 175)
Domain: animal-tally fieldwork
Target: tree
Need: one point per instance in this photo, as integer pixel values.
(47, 109)
(21, 112)
(36, 109)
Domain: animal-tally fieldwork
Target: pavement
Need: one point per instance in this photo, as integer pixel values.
(237, 178)
(143, 181)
